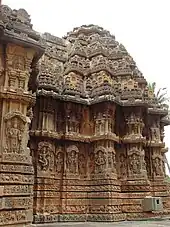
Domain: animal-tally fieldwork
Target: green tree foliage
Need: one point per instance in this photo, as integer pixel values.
(161, 94)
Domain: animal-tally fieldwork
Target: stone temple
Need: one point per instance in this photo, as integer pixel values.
(81, 133)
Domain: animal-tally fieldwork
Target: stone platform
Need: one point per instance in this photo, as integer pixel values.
(159, 223)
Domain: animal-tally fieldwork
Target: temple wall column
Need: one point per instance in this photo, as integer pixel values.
(156, 161)
(135, 186)
(16, 170)
(104, 194)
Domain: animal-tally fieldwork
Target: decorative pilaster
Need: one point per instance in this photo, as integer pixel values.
(17, 56)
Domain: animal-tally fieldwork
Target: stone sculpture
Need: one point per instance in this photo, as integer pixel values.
(95, 146)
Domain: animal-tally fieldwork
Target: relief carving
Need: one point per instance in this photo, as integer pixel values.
(111, 160)
(100, 160)
(14, 131)
(123, 165)
(60, 162)
(82, 164)
(155, 134)
(72, 159)
(157, 166)
(134, 161)
(45, 156)
(87, 67)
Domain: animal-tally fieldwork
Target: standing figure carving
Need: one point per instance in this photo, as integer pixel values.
(157, 166)
(134, 164)
(111, 160)
(82, 164)
(123, 165)
(72, 160)
(59, 162)
(14, 133)
(100, 161)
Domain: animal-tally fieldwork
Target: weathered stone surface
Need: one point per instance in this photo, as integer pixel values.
(19, 48)
(89, 145)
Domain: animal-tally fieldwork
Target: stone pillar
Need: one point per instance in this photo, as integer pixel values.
(16, 169)
(16, 164)
(104, 193)
(156, 166)
(136, 185)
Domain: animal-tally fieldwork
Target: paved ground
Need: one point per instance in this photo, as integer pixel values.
(163, 223)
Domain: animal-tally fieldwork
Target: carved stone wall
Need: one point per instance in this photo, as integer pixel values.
(16, 168)
(95, 129)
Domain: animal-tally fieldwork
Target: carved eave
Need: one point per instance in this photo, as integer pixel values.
(133, 139)
(91, 101)
(165, 120)
(133, 102)
(12, 37)
(151, 143)
(157, 111)
(18, 95)
(156, 144)
(56, 95)
(73, 137)
(108, 136)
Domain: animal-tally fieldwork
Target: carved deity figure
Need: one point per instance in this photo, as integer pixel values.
(112, 161)
(134, 164)
(19, 63)
(82, 164)
(59, 162)
(147, 161)
(123, 166)
(14, 136)
(155, 134)
(43, 158)
(72, 161)
(157, 166)
(91, 165)
(100, 161)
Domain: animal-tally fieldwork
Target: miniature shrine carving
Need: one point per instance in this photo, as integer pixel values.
(81, 133)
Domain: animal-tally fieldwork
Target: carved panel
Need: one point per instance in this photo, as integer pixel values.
(45, 156)
(72, 160)
(157, 166)
(14, 132)
(59, 161)
(18, 66)
(100, 160)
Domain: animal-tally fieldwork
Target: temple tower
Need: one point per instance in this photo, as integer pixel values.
(88, 146)
(91, 139)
